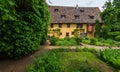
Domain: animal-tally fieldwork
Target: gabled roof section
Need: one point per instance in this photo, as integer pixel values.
(86, 14)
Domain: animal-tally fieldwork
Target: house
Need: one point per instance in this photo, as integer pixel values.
(73, 21)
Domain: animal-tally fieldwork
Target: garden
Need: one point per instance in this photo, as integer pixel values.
(24, 26)
(77, 60)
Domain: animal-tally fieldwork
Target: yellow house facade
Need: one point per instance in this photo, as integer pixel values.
(70, 22)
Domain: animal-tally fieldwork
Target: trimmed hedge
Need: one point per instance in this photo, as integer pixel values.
(23, 26)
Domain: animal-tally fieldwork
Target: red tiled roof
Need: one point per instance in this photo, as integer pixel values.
(86, 14)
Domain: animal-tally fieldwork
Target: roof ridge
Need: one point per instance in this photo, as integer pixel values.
(71, 6)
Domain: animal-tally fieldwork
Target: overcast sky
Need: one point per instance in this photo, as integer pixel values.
(81, 3)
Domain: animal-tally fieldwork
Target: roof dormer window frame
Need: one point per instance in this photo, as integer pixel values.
(63, 16)
(56, 10)
(81, 10)
(77, 16)
(91, 16)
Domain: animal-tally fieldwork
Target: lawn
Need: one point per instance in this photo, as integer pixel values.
(83, 62)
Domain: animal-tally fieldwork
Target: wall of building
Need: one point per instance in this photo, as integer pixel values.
(65, 30)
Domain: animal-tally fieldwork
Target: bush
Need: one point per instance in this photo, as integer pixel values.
(53, 40)
(99, 43)
(93, 41)
(66, 42)
(47, 62)
(23, 26)
(78, 40)
(87, 41)
(111, 56)
(117, 38)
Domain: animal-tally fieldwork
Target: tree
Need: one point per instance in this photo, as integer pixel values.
(111, 15)
(97, 29)
(23, 26)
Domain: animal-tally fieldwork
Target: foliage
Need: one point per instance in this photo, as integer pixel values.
(117, 38)
(111, 17)
(62, 60)
(66, 42)
(97, 29)
(63, 42)
(78, 40)
(47, 62)
(23, 26)
(53, 40)
(111, 56)
(100, 42)
(93, 41)
(86, 40)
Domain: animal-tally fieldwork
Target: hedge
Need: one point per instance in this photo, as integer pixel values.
(23, 26)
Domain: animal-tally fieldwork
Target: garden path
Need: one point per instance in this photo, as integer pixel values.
(18, 65)
(84, 45)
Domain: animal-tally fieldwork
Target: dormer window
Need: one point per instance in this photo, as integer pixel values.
(55, 10)
(91, 17)
(76, 16)
(81, 10)
(63, 16)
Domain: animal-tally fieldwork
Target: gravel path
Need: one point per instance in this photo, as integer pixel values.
(84, 45)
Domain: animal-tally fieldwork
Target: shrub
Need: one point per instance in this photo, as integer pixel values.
(99, 43)
(87, 41)
(93, 41)
(78, 49)
(47, 62)
(78, 40)
(53, 40)
(111, 56)
(22, 29)
(117, 38)
(66, 42)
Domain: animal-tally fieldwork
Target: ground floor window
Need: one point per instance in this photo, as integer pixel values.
(67, 34)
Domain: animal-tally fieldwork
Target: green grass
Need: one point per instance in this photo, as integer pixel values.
(82, 61)
(65, 60)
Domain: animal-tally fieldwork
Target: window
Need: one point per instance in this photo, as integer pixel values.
(91, 17)
(60, 25)
(79, 25)
(72, 33)
(60, 33)
(55, 10)
(81, 10)
(67, 34)
(68, 25)
(76, 16)
(63, 16)
(51, 25)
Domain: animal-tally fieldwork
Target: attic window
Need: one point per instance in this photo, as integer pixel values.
(81, 10)
(76, 16)
(91, 17)
(55, 10)
(63, 16)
